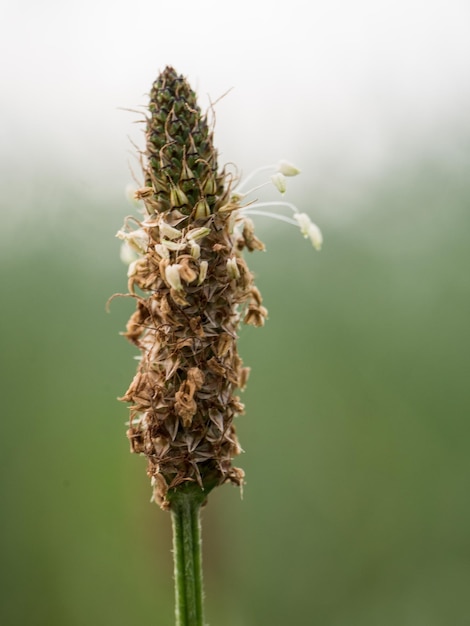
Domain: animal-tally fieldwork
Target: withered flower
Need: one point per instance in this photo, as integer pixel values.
(192, 289)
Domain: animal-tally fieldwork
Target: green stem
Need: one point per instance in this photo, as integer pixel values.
(185, 513)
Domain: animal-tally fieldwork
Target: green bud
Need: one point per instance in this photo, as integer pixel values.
(210, 186)
(178, 198)
(201, 210)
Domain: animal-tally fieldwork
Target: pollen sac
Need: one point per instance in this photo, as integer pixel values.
(192, 288)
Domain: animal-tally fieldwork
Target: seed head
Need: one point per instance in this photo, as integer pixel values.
(192, 289)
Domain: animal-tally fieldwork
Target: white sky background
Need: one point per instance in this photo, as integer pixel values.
(338, 82)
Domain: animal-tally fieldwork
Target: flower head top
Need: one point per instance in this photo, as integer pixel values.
(182, 171)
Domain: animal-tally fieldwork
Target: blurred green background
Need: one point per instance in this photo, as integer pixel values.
(356, 507)
(356, 435)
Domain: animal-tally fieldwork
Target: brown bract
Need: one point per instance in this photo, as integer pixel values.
(192, 288)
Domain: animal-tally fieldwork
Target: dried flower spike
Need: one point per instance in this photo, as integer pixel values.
(192, 289)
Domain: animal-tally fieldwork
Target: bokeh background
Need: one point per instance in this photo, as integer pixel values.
(356, 509)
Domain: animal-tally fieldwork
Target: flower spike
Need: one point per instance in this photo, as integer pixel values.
(192, 289)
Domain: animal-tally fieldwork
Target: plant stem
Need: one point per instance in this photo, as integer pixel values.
(187, 554)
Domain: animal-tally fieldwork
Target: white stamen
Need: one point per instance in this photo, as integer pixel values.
(137, 239)
(309, 230)
(172, 274)
(197, 233)
(195, 249)
(252, 175)
(232, 268)
(127, 254)
(287, 168)
(132, 269)
(202, 272)
(162, 251)
(275, 216)
(172, 245)
(275, 203)
(168, 231)
(279, 181)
